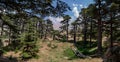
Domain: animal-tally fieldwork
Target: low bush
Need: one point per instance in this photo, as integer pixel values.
(69, 53)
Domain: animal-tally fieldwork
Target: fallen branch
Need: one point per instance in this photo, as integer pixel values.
(78, 53)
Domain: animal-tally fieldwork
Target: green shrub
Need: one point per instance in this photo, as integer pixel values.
(69, 53)
(49, 44)
(29, 46)
(26, 55)
(53, 46)
(63, 38)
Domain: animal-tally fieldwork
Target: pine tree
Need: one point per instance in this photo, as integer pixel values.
(65, 23)
(29, 40)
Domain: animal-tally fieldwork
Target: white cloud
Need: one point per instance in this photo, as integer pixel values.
(75, 11)
(81, 6)
(55, 18)
(75, 4)
(56, 21)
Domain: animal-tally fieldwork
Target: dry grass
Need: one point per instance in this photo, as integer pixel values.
(47, 54)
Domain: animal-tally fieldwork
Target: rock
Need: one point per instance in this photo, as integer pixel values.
(4, 59)
(66, 58)
(112, 54)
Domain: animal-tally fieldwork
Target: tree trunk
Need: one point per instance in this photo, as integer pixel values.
(85, 32)
(46, 30)
(41, 34)
(67, 32)
(99, 37)
(9, 35)
(2, 27)
(111, 33)
(22, 28)
(53, 36)
(90, 32)
(75, 35)
(99, 29)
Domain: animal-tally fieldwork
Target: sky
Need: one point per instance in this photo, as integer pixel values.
(75, 6)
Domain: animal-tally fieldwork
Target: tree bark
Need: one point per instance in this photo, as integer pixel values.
(75, 34)
(67, 32)
(99, 29)
(9, 35)
(85, 31)
(90, 32)
(2, 29)
(111, 32)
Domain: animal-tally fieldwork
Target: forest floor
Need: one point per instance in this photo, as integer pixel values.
(53, 51)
